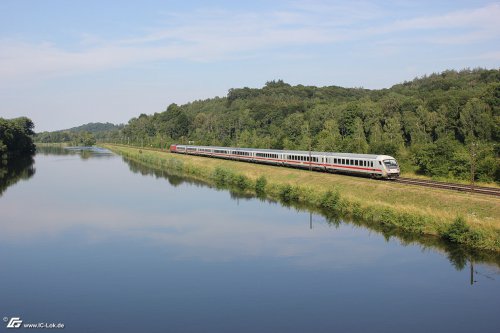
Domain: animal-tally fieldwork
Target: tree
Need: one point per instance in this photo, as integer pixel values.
(392, 132)
(476, 124)
(476, 120)
(357, 140)
(329, 138)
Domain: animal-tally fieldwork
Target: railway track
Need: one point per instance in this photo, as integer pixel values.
(450, 186)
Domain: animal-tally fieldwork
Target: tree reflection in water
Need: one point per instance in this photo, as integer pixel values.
(14, 171)
(459, 256)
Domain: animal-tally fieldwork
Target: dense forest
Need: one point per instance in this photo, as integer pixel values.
(86, 135)
(16, 138)
(443, 125)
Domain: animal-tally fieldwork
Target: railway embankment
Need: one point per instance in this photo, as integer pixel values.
(471, 219)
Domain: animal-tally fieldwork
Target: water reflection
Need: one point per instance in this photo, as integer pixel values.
(14, 171)
(459, 256)
(185, 257)
(84, 152)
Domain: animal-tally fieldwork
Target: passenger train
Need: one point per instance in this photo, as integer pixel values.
(376, 166)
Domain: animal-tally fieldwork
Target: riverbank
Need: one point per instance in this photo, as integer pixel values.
(470, 219)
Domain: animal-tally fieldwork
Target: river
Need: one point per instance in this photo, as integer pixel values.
(102, 244)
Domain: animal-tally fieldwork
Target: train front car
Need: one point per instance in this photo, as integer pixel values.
(390, 167)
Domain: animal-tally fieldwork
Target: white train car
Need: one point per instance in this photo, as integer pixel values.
(376, 166)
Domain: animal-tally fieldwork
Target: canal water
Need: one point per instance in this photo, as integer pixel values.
(102, 244)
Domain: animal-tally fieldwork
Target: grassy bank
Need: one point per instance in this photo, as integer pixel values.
(463, 218)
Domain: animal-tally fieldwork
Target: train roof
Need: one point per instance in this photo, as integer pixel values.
(304, 152)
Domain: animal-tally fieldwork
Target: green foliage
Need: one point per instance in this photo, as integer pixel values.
(241, 182)
(330, 200)
(460, 232)
(426, 123)
(222, 177)
(100, 131)
(260, 185)
(288, 193)
(16, 138)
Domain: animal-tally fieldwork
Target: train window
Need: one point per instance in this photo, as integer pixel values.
(335, 160)
(371, 164)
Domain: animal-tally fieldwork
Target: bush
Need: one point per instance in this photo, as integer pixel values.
(260, 185)
(288, 193)
(241, 182)
(330, 200)
(458, 231)
(222, 177)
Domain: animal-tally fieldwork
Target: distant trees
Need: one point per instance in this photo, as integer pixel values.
(98, 131)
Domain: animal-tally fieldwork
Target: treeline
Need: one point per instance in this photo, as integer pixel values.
(443, 125)
(16, 138)
(86, 135)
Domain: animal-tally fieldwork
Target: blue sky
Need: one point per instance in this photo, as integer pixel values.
(65, 63)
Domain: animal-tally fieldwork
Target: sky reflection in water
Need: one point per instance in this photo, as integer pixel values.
(89, 243)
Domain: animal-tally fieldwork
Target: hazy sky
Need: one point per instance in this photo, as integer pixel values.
(65, 63)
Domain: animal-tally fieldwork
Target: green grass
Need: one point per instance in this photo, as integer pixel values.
(418, 210)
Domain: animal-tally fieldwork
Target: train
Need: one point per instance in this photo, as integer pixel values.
(375, 166)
